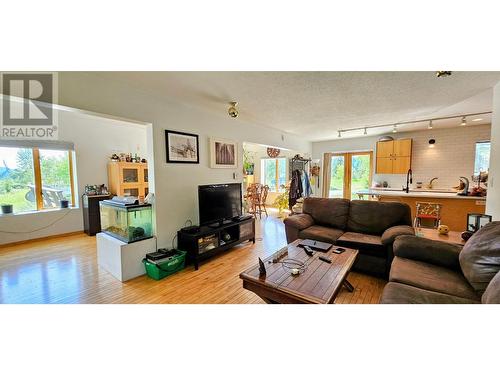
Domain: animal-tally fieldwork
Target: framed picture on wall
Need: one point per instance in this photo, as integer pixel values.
(182, 147)
(223, 153)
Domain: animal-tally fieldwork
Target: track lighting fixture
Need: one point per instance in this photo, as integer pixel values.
(428, 121)
(232, 111)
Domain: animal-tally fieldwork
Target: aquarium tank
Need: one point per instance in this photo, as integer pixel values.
(128, 223)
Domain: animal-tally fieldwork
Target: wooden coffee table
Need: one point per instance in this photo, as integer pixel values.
(319, 283)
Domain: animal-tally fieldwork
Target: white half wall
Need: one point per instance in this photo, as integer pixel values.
(493, 199)
(95, 138)
(176, 185)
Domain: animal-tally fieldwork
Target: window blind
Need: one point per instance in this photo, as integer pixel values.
(41, 144)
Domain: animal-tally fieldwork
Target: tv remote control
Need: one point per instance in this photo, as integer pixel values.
(325, 259)
(308, 250)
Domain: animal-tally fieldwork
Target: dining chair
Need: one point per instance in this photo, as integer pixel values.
(428, 211)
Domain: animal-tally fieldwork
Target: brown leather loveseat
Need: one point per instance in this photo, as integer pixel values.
(369, 226)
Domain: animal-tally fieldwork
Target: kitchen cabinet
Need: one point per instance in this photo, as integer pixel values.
(393, 157)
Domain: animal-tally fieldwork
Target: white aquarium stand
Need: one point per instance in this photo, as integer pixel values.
(123, 260)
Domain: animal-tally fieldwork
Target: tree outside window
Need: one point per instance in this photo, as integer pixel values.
(33, 179)
(273, 173)
(482, 157)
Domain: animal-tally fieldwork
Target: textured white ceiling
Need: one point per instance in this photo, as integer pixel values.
(317, 104)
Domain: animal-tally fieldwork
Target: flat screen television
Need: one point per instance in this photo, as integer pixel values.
(219, 203)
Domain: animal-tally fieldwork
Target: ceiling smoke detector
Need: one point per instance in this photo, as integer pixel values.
(232, 111)
(443, 73)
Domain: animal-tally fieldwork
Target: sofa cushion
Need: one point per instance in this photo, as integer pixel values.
(366, 243)
(320, 233)
(480, 257)
(406, 294)
(430, 277)
(492, 292)
(374, 217)
(330, 212)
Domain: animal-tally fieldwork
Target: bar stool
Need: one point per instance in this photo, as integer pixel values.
(427, 211)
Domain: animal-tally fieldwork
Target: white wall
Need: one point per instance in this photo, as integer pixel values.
(493, 198)
(452, 156)
(175, 184)
(95, 139)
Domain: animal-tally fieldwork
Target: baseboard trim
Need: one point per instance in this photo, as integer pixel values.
(67, 234)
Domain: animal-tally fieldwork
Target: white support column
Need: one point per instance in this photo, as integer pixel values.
(493, 198)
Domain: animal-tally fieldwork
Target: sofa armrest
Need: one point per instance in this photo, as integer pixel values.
(439, 253)
(389, 236)
(299, 222)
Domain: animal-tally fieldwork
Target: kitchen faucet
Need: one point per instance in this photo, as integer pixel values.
(409, 180)
(429, 185)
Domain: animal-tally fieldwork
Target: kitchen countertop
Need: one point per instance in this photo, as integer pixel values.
(416, 193)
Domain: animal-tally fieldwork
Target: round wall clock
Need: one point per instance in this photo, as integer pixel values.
(273, 152)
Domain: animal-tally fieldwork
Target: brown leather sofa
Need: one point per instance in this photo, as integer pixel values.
(369, 226)
(426, 271)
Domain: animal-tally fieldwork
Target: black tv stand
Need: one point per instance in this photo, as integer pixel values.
(219, 224)
(209, 241)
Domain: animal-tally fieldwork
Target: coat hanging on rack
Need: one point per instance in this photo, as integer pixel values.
(295, 188)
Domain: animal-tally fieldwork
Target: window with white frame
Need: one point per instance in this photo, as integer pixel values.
(273, 173)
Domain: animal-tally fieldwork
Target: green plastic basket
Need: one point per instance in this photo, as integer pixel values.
(167, 268)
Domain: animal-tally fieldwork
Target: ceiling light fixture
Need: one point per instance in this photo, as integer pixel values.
(395, 130)
(365, 132)
(432, 142)
(430, 124)
(443, 73)
(464, 121)
(232, 111)
(477, 119)
(340, 134)
(414, 122)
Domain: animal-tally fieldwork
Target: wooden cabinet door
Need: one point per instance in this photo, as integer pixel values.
(402, 147)
(384, 166)
(401, 164)
(385, 149)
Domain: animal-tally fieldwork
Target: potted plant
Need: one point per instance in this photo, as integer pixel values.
(248, 162)
(281, 201)
(7, 208)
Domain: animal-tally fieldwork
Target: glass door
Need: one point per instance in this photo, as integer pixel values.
(337, 174)
(347, 174)
(361, 172)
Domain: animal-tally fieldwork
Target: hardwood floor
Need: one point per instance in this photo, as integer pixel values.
(64, 270)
